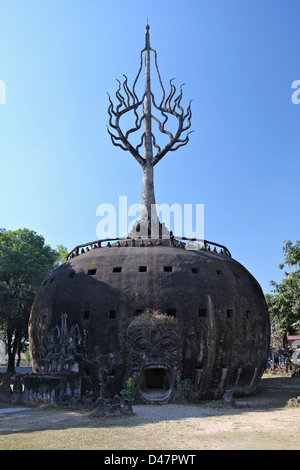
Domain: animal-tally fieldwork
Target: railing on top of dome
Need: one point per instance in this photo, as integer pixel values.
(193, 244)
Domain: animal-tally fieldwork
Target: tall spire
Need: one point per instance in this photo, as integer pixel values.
(148, 220)
(148, 154)
(148, 197)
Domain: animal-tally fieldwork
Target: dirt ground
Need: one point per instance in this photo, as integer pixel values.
(259, 422)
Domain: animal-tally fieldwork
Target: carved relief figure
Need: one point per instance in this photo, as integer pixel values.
(61, 346)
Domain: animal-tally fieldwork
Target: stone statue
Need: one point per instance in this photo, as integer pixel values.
(228, 400)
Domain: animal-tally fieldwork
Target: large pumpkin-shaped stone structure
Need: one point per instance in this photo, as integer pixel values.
(85, 320)
(147, 306)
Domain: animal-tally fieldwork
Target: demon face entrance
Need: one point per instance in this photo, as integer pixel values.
(155, 383)
(154, 354)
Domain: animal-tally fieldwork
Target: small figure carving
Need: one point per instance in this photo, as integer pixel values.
(127, 407)
(227, 400)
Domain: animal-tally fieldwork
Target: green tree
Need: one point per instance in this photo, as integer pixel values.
(291, 255)
(24, 262)
(63, 253)
(284, 304)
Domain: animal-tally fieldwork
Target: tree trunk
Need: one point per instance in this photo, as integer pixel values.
(11, 363)
(11, 351)
(19, 353)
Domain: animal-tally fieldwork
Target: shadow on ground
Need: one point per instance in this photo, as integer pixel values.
(272, 393)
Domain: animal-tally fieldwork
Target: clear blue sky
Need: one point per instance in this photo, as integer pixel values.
(238, 58)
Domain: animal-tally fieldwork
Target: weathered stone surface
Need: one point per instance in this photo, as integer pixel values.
(59, 389)
(84, 319)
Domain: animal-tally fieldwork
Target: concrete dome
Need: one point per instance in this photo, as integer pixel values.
(86, 321)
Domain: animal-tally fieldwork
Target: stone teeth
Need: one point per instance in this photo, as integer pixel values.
(156, 366)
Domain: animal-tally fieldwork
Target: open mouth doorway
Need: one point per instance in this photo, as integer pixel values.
(156, 383)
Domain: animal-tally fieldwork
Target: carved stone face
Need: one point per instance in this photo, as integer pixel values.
(154, 358)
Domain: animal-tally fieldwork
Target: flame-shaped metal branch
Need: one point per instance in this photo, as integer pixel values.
(168, 106)
(184, 122)
(122, 108)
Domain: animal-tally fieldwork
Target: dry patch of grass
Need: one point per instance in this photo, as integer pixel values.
(262, 421)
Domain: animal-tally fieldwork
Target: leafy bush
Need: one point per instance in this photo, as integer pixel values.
(293, 402)
(129, 391)
(183, 391)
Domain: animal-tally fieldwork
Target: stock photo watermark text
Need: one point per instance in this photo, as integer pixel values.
(2, 92)
(184, 221)
(296, 94)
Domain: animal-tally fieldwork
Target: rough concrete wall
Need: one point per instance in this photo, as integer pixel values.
(51, 389)
(82, 311)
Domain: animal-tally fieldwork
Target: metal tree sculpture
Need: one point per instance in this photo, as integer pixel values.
(168, 106)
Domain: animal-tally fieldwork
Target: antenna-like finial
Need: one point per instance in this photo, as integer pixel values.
(147, 37)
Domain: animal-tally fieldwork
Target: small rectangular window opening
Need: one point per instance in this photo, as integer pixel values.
(218, 271)
(171, 312)
(202, 312)
(52, 280)
(85, 315)
(248, 314)
(168, 269)
(112, 314)
(92, 272)
(142, 269)
(229, 313)
(117, 269)
(72, 274)
(195, 270)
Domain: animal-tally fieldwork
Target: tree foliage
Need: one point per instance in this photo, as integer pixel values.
(63, 253)
(284, 304)
(25, 260)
